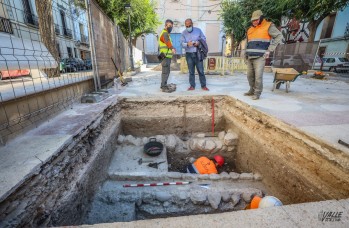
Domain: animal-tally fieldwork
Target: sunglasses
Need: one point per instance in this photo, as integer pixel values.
(188, 26)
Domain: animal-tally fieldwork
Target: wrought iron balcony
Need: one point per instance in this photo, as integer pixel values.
(57, 29)
(31, 19)
(5, 25)
(68, 33)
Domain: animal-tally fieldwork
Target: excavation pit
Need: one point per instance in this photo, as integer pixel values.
(263, 156)
(266, 157)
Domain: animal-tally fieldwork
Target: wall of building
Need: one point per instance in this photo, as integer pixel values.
(204, 13)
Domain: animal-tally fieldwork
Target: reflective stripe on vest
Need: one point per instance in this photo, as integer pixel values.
(258, 39)
(163, 47)
(205, 166)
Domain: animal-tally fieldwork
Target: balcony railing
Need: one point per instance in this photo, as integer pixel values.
(31, 19)
(57, 29)
(68, 33)
(5, 25)
(84, 39)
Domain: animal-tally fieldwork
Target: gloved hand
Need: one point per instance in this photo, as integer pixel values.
(266, 54)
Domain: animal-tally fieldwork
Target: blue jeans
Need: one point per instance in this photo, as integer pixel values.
(193, 61)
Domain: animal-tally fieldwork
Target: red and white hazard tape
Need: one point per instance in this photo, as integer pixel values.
(156, 184)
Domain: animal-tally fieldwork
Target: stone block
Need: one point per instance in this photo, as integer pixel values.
(225, 176)
(214, 198)
(257, 177)
(121, 139)
(234, 176)
(246, 176)
(163, 196)
(215, 177)
(198, 197)
(221, 135)
(231, 139)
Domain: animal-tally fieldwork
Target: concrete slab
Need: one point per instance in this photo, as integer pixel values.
(129, 158)
(316, 214)
(24, 156)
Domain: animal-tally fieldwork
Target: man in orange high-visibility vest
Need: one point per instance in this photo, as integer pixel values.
(259, 46)
(204, 165)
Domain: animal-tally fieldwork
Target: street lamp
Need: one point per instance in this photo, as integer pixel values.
(128, 10)
(143, 51)
(223, 38)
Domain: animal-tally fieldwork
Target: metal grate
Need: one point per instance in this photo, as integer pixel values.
(5, 25)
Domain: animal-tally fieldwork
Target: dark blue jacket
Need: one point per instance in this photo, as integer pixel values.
(202, 50)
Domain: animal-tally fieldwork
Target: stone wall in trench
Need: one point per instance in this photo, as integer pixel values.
(58, 193)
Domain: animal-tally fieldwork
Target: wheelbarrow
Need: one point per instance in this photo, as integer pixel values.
(284, 75)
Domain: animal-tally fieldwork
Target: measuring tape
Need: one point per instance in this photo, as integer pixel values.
(156, 184)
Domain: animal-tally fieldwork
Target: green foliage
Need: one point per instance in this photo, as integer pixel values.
(142, 14)
(236, 13)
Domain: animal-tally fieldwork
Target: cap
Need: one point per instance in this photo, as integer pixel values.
(256, 15)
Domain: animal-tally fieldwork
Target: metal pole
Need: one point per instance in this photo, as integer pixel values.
(96, 80)
(130, 43)
(143, 52)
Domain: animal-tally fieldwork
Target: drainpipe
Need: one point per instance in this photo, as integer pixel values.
(96, 79)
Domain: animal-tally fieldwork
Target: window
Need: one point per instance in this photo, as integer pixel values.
(330, 60)
(58, 50)
(70, 54)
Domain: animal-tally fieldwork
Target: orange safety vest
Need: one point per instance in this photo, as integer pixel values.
(258, 39)
(205, 166)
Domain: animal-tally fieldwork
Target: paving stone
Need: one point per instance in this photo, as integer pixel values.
(246, 176)
(163, 196)
(214, 198)
(198, 197)
(234, 176)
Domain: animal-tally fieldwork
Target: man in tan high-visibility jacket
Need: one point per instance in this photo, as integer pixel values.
(259, 46)
(166, 47)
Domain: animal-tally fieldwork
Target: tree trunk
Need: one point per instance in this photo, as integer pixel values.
(47, 32)
(312, 30)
